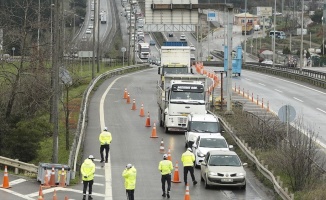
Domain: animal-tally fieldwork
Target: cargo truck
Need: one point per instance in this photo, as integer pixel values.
(174, 60)
(180, 95)
(247, 29)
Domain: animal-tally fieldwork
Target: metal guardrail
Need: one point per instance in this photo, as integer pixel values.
(18, 164)
(82, 122)
(283, 193)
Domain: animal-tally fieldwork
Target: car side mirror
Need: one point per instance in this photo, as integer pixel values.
(194, 146)
(231, 147)
(203, 163)
(245, 164)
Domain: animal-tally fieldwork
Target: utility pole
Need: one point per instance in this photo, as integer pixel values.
(134, 53)
(229, 71)
(55, 78)
(98, 36)
(245, 42)
(273, 39)
(301, 43)
(94, 38)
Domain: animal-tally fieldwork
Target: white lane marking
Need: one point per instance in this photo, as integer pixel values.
(98, 175)
(262, 84)
(247, 79)
(98, 184)
(297, 99)
(15, 182)
(321, 110)
(23, 196)
(292, 83)
(50, 190)
(278, 90)
(107, 169)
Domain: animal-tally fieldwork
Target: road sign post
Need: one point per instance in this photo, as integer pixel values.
(123, 50)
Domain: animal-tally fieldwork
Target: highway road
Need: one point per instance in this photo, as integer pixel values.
(132, 144)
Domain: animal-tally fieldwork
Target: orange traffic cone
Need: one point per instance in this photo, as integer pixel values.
(169, 155)
(52, 178)
(142, 114)
(125, 94)
(40, 194)
(187, 195)
(128, 99)
(162, 146)
(5, 183)
(148, 121)
(62, 178)
(46, 180)
(154, 131)
(133, 105)
(176, 178)
(55, 195)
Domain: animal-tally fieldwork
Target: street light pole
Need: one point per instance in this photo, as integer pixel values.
(301, 43)
(245, 41)
(274, 34)
(322, 26)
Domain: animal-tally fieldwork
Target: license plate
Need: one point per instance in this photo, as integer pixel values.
(227, 180)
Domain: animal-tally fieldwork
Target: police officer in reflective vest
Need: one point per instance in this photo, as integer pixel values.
(166, 167)
(130, 174)
(105, 140)
(188, 159)
(87, 170)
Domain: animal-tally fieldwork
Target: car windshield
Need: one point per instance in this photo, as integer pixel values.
(213, 143)
(176, 70)
(187, 95)
(208, 127)
(224, 160)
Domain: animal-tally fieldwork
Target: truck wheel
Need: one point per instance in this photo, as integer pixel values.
(166, 130)
(160, 117)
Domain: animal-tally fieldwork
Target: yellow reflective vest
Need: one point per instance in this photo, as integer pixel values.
(188, 159)
(105, 138)
(130, 178)
(87, 170)
(165, 166)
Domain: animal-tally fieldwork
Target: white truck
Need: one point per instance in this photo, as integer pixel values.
(200, 125)
(298, 31)
(175, 60)
(178, 96)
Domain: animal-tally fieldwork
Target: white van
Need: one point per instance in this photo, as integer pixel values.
(257, 27)
(278, 34)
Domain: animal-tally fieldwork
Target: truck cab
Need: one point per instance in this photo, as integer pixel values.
(200, 125)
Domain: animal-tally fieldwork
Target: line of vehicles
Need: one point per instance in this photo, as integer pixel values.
(183, 101)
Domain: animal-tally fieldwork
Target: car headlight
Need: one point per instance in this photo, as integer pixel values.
(212, 173)
(240, 174)
(200, 154)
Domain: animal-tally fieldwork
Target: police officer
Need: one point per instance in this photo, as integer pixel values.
(166, 167)
(105, 140)
(129, 174)
(87, 170)
(188, 159)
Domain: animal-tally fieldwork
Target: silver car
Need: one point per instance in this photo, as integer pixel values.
(223, 168)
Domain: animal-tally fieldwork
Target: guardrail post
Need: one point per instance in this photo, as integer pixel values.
(239, 90)
(235, 87)
(286, 190)
(243, 92)
(16, 169)
(292, 196)
(257, 98)
(262, 102)
(267, 105)
(252, 97)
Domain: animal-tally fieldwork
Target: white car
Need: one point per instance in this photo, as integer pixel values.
(90, 26)
(88, 31)
(207, 143)
(182, 37)
(223, 168)
(192, 47)
(269, 62)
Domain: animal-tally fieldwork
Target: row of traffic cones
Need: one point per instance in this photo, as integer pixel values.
(41, 195)
(51, 183)
(176, 177)
(126, 95)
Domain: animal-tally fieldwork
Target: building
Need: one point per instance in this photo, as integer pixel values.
(239, 19)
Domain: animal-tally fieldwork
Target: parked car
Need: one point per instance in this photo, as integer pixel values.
(269, 62)
(206, 143)
(170, 34)
(182, 37)
(192, 47)
(223, 168)
(90, 26)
